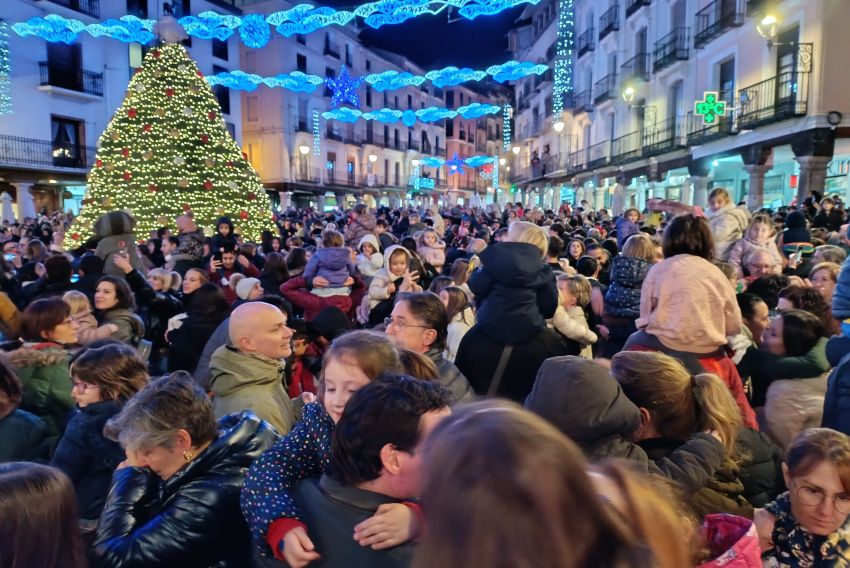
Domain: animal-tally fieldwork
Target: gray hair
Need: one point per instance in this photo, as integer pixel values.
(155, 414)
(831, 253)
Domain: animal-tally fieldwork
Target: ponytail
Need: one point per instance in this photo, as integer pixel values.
(175, 282)
(716, 409)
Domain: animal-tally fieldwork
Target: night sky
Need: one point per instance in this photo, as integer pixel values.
(433, 43)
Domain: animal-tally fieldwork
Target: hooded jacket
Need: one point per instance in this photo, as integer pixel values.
(382, 278)
(622, 299)
(115, 231)
(583, 401)
(333, 264)
(732, 542)
(795, 230)
(728, 225)
(193, 518)
(368, 265)
(243, 381)
(219, 241)
(44, 372)
(516, 291)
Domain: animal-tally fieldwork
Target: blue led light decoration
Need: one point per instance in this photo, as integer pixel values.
(317, 134)
(455, 165)
(344, 88)
(506, 127)
(254, 31)
(496, 173)
(563, 79)
(210, 25)
(5, 71)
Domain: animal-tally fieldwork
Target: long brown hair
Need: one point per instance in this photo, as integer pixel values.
(116, 368)
(38, 500)
(679, 404)
(457, 304)
(505, 488)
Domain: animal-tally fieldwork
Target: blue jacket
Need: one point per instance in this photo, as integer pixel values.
(623, 296)
(836, 404)
(516, 291)
(841, 296)
(625, 229)
(88, 458)
(333, 264)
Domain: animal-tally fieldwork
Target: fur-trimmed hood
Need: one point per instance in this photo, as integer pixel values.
(38, 355)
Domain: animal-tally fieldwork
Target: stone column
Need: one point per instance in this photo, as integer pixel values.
(618, 199)
(320, 203)
(24, 201)
(812, 176)
(340, 199)
(755, 198)
(699, 186)
(285, 200)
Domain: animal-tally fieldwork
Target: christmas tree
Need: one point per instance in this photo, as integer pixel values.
(167, 152)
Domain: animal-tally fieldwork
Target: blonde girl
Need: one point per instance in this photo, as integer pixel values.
(570, 320)
(760, 235)
(525, 232)
(81, 312)
(431, 249)
(727, 222)
(162, 280)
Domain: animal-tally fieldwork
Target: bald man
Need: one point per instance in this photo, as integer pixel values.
(248, 374)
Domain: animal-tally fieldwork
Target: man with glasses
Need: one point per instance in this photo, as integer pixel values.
(419, 322)
(759, 264)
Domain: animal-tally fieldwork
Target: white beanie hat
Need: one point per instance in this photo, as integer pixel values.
(244, 287)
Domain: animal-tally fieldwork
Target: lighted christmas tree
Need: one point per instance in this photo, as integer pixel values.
(167, 151)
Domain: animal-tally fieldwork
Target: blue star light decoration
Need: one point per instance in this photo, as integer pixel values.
(254, 31)
(455, 165)
(344, 88)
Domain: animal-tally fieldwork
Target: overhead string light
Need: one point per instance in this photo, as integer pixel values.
(506, 127)
(563, 79)
(5, 71)
(254, 29)
(387, 81)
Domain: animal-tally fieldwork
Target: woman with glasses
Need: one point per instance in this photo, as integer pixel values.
(807, 526)
(47, 332)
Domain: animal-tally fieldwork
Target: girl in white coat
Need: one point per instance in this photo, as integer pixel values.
(461, 318)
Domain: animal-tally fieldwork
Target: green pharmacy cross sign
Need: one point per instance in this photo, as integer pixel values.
(710, 108)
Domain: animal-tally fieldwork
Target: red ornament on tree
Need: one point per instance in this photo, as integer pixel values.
(252, 196)
(244, 156)
(169, 92)
(127, 176)
(201, 75)
(152, 188)
(76, 236)
(132, 113)
(98, 163)
(205, 138)
(156, 53)
(208, 185)
(243, 215)
(186, 207)
(146, 128)
(212, 115)
(229, 164)
(125, 152)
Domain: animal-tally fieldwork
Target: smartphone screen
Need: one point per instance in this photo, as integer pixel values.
(9, 257)
(75, 278)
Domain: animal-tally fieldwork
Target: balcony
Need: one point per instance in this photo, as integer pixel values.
(605, 88)
(636, 68)
(716, 19)
(671, 48)
(626, 148)
(87, 7)
(609, 21)
(597, 155)
(635, 5)
(332, 49)
(776, 99)
(585, 43)
(412, 146)
(306, 174)
(701, 133)
(576, 160)
(29, 152)
(76, 80)
(583, 102)
(664, 137)
(302, 126)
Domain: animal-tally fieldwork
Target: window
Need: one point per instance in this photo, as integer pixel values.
(450, 99)
(370, 132)
(181, 9)
(348, 57)
(461, 99)
(222, 93)
(251, 108)
(330, 74)
(368, 65)
(450, 128)
(386, 135)
(386, 172)
(219, 49)
(409, 101)
(67, 134)
(301, 38)
(330, 165)
(138, 8)
(676, 104)
(395, 139)
(395, 102)
(368, 96)
(136, 55)
(302, 114)
(301, 62)
(231, 128)
(397, 174)
(727, 79)
(64, 65)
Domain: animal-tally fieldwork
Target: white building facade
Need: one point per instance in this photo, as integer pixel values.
(641, 65)
(63, 96)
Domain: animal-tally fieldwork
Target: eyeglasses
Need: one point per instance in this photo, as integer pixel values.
(814, 497)
(401, 324)
(760, 267)
(83, 387)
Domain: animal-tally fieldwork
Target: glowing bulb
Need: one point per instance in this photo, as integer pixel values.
(502, 161)
(304, 149)
(414, 163)
(515, 150)
(558, 126)
(373, 158)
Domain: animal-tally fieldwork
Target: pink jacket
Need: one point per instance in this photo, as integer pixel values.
(732, 542)
(433, 255)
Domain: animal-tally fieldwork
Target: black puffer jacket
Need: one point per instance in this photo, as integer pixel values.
(584, 401)
(192, 520)
(516, 291)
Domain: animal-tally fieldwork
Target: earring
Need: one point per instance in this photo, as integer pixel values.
(188, 456)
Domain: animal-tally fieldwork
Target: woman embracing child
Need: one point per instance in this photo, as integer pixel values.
(758, 236)
(393, 278)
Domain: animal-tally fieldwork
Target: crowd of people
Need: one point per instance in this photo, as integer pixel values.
(430, 387)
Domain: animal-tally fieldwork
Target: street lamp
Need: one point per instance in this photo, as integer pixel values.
(558, 126)
(373, 158)
(414, 163)
(629, 94)
(502, 161)
(515, 150)
(768, 27)
(304, 149)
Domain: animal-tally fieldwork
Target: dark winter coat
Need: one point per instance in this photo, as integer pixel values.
(831, 221)
(155, 309)
(516, 291)
(584, 401)
(451, 377)
(836, 404)
(625, 229)
(219, 241)
(193, 518)
(88, 458)
(622, 299)
(364, 224)
(188, 342)
(23, 437)
(478, 355)
(761, 467)
(43, 288)
(114, 232)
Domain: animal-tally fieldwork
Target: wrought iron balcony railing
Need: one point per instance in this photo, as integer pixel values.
(73, 79)
(716, 19)
(673, 47)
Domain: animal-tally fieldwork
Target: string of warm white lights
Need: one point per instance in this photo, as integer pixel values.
(386, 81)
(254, 29)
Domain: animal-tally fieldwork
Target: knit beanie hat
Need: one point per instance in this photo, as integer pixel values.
(244, 287)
